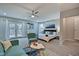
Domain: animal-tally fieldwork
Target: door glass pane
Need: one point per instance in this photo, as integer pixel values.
(19, 29)
(11, 30)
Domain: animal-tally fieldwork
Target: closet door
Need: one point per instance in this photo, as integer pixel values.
(76, 27)
(68, 28)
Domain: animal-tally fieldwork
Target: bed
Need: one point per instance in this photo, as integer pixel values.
(46, 38)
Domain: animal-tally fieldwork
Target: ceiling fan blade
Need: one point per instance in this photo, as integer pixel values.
(36, 12)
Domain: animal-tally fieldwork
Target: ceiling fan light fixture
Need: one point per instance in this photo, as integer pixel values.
(32, 16)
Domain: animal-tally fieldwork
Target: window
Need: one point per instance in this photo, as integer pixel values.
(11, 30)
(19, 29)
(41, 28)
(16, 29)
(30, 25)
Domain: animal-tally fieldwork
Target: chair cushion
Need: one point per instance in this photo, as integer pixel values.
(1, 49)
(15, 51)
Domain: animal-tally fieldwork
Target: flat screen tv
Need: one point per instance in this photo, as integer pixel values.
(51, 26)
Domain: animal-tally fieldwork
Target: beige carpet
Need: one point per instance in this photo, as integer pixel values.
(52, 48)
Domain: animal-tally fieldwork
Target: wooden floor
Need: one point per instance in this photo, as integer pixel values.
(53, 48)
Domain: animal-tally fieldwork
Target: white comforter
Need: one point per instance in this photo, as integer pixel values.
(43, 37)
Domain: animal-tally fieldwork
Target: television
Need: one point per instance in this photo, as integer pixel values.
(51, 26)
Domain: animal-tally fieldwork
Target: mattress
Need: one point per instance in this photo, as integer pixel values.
(47, 39)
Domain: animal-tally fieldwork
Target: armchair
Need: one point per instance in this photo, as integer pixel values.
(32, 37)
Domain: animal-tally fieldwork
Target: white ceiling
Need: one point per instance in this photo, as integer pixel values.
(67, 6)
(47, 11)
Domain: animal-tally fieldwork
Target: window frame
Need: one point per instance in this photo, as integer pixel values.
(24, 33)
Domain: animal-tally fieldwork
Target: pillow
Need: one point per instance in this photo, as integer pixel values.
(14, 42)
(6, 44)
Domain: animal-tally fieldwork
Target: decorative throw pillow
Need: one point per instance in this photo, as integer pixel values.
(7, 44)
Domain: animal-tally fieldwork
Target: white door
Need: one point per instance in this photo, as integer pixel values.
(76, 27)
(68, 28)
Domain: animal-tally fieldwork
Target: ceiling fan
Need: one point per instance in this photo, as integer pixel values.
(34, 13)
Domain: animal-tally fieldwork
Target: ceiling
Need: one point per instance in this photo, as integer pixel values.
(47, 11)
(67, 6)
